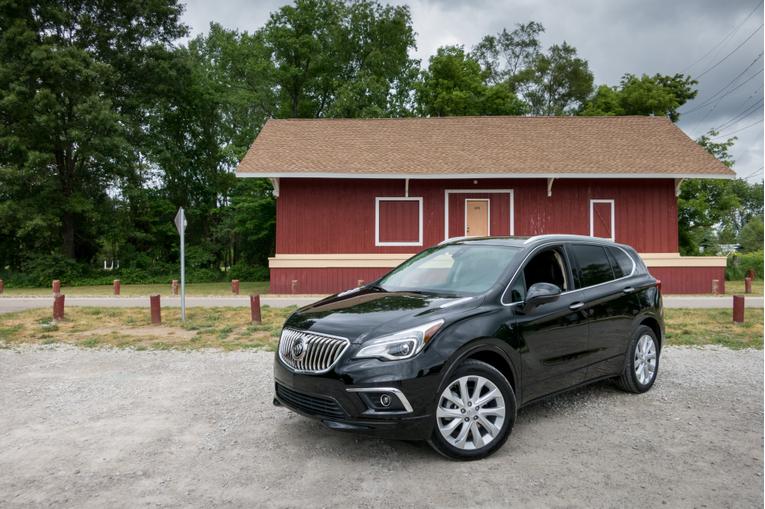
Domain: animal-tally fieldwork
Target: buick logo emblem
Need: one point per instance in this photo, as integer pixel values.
(298, 349)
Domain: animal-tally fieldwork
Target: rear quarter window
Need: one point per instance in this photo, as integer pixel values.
(622, 263)
(593, 264)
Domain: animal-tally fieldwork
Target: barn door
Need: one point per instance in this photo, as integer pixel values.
(602, 219)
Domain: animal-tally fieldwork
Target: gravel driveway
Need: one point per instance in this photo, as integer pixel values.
(95, 428)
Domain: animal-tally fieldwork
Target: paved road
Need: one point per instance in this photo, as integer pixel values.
(10, 304)
(119, 428)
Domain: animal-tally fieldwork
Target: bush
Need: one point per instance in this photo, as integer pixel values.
(246, 272)
(740, 263)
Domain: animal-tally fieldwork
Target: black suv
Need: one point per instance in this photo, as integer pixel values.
(448, 345)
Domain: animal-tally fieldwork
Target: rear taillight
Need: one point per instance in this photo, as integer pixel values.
(658, 284)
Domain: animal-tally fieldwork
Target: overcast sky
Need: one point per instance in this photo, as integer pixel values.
(614, 36)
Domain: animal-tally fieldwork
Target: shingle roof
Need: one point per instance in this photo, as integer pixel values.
(470, 146)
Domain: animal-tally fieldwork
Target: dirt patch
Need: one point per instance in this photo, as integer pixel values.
(157, 332)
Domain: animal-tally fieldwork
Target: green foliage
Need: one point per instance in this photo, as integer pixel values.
(647, 95)
(751, 235)
(72, 79)
(711, 211)
(555, 82)
(739, 265)
(454, 84)
(334, 58)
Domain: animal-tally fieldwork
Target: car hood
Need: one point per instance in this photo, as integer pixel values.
(368, 313)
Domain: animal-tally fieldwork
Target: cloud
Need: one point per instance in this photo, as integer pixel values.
(615, 37)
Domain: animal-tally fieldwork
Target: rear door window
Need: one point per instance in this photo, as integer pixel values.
(593, 264)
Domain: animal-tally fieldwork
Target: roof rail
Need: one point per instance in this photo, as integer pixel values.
(453, 239)
(564, 236)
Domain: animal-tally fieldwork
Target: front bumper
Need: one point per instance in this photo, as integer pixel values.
(339, 404)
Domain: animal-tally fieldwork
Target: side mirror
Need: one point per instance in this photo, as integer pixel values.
(540, 293)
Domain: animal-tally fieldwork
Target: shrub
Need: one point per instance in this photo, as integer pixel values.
(246, 272)
(740, 263)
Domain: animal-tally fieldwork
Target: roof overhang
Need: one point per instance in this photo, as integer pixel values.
(467, 176)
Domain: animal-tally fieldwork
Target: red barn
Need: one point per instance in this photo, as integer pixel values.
(356, 197)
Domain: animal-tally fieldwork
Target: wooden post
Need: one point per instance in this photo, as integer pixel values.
(58, 306)
(255, 308)
(2, 286)
(235, 286)
(747, 285)
(156, 314)
(56, 286)
(716, 286)
(116, 285)
(294, 285)
(738, 308)
(174, 287)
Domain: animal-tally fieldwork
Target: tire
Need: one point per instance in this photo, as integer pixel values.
(632, 379)
(487, 428)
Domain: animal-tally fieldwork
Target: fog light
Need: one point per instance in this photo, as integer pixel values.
(385, 400)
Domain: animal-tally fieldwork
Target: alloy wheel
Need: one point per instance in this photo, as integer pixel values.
(645, 359)
(470, 413)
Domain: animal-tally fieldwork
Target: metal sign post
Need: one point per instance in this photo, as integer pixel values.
(180, 225)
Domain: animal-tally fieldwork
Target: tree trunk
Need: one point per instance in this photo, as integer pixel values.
(67, 235)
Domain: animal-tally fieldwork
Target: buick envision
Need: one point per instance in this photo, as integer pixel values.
(447, 346)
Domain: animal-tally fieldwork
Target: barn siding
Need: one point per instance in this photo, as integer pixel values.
(317, 216)
(321, 281)
(688, 279)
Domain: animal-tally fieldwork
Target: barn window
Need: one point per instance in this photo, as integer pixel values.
(602, 223)
(398, 221)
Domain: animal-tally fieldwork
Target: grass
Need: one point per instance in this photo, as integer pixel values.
(200, 289)
(230, 328)
(693, 327)
(222, 328)
(737, 287)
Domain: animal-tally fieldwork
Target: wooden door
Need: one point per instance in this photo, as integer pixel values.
(476, 218)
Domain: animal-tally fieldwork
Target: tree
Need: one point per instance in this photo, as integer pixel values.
(76, 80)
(556, 82)
(508, 56)
(751, 236)
(454, 84)
(560, 82)
(341, 59)
(715, 209)
(647, 95)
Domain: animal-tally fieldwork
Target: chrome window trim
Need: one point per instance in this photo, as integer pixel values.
(584, 240)
(320, 334)
(400, 395)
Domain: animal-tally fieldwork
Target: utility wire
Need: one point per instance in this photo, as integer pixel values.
(709, 100)
(737, 130)
(725, 39)
(723, 59)
(740, 116)
(755, 173)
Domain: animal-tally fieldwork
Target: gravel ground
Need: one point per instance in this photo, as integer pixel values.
(95, 428)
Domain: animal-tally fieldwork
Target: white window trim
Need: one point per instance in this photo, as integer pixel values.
(377, 220)
(488, 214)
(613, 218)
(509, 192)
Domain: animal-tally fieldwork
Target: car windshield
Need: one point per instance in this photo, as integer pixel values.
(453, 269)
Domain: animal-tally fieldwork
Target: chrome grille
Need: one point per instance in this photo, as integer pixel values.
(318, 354)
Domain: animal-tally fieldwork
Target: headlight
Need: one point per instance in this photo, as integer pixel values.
(401, 345)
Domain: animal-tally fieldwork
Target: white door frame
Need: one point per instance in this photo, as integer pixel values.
(511, 200)
(613, 216)
(488, 215)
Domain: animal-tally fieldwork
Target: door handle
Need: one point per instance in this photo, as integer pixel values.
(629, 289)
(576, 305)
